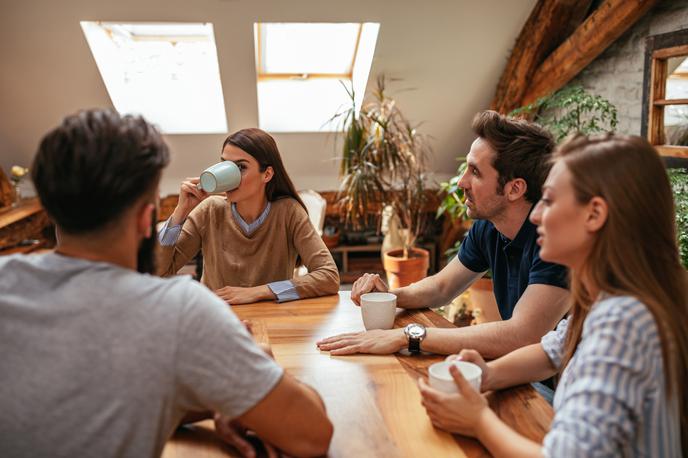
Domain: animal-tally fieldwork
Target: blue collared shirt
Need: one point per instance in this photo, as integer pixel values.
(284, 290)
(514, 264)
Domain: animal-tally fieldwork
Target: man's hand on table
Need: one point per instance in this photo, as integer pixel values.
(365, 284)
(234, 434)
(378, 342)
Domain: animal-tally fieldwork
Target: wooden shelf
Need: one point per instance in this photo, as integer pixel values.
(23, 249)
(670, 150)
(24, 222)
(10, 215)
(665, 102)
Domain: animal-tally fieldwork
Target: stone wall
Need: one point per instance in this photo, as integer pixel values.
(617, 74)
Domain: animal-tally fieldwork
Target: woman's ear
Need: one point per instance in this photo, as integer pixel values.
(268, 174)
(598, 210)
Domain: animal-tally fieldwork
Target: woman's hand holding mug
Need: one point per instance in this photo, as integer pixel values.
(189, 197)
(221, 177)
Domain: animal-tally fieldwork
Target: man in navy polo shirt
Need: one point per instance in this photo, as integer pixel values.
(507, 165)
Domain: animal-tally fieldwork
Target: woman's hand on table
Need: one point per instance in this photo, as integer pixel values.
(234, 434)
(377, 341)
(235, 295)
(365, 284)
(465, 412)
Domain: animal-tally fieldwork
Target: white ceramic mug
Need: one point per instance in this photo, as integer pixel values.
(378, 310)
(441, 379)
(221, 177)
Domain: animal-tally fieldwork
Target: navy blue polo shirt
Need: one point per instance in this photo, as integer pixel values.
(515, 264)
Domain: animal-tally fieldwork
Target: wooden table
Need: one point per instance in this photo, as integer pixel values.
(373, 401)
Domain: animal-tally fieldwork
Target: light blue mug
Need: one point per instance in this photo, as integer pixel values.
(221, 177)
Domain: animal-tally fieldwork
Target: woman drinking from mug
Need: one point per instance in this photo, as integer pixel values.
(250, 237)
(607, 213)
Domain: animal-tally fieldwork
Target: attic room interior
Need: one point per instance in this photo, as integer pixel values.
(301, 228)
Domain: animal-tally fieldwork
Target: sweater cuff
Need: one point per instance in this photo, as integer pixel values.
(168, 235)
(284, 290)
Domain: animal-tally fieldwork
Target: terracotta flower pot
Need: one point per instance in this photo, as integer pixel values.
(331, 241)
(403, 272)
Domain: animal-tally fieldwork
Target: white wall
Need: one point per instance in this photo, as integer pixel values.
(452, 52)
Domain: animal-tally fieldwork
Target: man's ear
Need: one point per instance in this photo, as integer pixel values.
(598, 211)
(269, 173)
(515, 189)
(144, 219)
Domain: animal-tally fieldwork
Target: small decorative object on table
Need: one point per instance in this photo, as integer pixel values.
(17, 174)
(463, 316)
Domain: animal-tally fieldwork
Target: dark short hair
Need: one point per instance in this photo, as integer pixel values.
(94, 166)
(523, 149)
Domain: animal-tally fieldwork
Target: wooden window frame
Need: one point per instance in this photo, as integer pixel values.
(658, 49)
(262, 75)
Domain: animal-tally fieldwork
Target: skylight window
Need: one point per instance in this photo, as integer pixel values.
(301, 67)
(166, 72)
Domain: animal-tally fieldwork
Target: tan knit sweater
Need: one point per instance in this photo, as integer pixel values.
(231, 258)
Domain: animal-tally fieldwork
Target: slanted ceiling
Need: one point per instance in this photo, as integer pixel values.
(451, 52)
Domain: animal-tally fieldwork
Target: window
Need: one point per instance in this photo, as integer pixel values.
(301, 69)
(665, 107)
(166, 72)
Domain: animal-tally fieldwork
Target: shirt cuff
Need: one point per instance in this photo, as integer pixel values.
(168, 235)
(284, 290)
(553, 343)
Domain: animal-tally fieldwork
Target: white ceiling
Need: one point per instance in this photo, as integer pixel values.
(451, 52)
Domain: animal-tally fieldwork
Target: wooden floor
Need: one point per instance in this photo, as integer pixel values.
(373, 401)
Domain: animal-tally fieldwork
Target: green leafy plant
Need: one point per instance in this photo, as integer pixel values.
(383, 163)
(679, 185)
(453, 204)
(571, 110)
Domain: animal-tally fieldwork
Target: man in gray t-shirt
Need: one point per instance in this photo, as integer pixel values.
(100, 360)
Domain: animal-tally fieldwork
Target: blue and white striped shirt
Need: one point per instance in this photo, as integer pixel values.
(283, 290)
(611, 399)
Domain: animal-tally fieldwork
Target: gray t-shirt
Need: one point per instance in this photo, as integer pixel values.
(97, 360)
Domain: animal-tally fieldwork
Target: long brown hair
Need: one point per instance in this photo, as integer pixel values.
(635, 253)
(263, 148)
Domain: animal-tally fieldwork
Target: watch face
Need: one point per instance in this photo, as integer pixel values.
(416, 331)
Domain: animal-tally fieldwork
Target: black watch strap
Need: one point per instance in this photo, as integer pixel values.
(414, 345)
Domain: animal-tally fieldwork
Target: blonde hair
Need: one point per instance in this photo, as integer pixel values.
(635, 253)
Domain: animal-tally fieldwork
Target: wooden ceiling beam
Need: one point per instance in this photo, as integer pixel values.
(606, 24)
(548, 25)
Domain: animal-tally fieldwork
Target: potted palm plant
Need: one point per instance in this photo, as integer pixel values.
(383, 163)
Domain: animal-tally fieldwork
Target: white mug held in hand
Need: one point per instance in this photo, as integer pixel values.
(378, 310)
(442, 380)
(221, 177)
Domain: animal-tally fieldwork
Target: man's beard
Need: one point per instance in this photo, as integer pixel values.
(145, 261)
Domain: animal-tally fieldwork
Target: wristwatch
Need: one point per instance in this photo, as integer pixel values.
(415, 333)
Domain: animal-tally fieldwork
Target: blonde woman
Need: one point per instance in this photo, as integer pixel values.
(607, 213)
